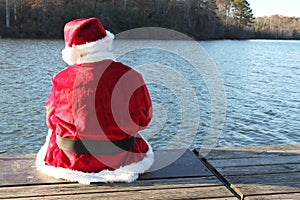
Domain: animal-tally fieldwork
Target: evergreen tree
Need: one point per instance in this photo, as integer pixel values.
(242, 13)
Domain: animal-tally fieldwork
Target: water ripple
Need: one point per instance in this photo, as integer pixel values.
(263, 98)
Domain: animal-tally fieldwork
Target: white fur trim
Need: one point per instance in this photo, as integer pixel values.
(127, 173)
(89, 52)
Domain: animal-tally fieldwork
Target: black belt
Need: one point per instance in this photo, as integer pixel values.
(95, 146)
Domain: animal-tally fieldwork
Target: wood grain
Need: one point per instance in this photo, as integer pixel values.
(268, 172)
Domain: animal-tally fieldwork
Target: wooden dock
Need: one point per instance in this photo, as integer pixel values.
(225, 173)
(269, 172)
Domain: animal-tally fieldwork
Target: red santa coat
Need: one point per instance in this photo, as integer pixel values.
(100, 101)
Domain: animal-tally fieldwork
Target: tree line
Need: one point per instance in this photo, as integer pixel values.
(200, 19)
(278, 27)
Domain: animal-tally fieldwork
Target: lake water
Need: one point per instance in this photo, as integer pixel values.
(261, 80)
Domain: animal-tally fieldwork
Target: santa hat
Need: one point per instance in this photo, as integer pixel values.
(86, 41)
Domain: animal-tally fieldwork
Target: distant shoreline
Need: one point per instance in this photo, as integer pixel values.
(214, 39)
(201, 20)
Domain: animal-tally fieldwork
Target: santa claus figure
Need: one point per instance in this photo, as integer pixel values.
(95, 111)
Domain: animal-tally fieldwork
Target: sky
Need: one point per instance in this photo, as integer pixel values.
(289, 8)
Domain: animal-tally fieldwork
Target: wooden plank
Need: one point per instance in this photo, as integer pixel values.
(156, 191)
(117, 197)
(281, 179)
(272, 148)
(259, 190)
(290, 196)
(266, 169)
(185, 164)
(217, 154)
(204, 184)
(73, 188)
(181, 193)
(267, 160)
